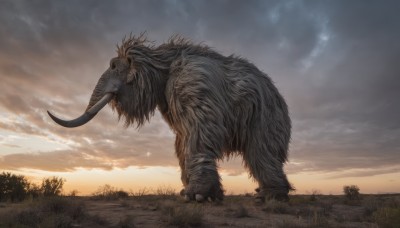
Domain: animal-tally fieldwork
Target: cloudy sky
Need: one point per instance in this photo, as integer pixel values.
(335, 62)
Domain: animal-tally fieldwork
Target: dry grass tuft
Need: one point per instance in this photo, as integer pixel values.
(318, 219)
(237, 212)
(241, 212)
(183, 215)
(387, 217)
(141, 192)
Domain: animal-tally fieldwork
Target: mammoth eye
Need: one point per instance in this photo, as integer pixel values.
(129, 60)
(112, 65)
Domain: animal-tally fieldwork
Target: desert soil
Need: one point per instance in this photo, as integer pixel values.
(234, 211)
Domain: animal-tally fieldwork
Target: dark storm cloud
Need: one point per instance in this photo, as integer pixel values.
(351, 120)
(336, 63)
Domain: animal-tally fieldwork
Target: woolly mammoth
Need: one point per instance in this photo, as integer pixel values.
(216, 105)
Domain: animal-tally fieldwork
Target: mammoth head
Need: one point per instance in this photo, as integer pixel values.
(131, 85)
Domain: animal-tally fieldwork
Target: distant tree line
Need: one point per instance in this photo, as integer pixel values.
(17, 188)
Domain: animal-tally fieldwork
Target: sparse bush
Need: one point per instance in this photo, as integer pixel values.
(17, 188)
(13, 187)
(104, 191)
(352, 192)
(34, 191)
(165, 191)
(315, 195)
(62, 205)
(141, 192)
(108, 192)
(73, 193)
(52, 186)
(122, 194)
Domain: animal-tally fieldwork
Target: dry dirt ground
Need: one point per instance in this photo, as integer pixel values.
(234, 211)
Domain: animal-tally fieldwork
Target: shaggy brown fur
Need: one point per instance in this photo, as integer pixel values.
(216, 105)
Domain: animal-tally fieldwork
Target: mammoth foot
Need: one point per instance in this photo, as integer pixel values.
(202, 193)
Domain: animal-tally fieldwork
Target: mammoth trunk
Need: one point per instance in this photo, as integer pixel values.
(97, 94)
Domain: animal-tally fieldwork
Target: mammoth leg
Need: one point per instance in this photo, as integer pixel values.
(267, 170)
(204, 180)
(200, 161)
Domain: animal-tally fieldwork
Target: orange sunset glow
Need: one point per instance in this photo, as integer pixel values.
(336, 66)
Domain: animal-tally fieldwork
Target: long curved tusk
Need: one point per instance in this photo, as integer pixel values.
(85, 117)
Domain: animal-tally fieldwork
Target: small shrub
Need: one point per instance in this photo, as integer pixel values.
(17, 188)
(13, 187)
(165, 191)
(141, 192)
(351, 192)
(121, 194)
(315, 194)
(183, 216)
(62, 205)
(52, 186)
(108, 192)
(241, 212)
(34, 191)
(73, 193)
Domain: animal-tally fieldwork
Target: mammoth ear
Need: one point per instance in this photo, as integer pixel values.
(132, 72)
(131, 75)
